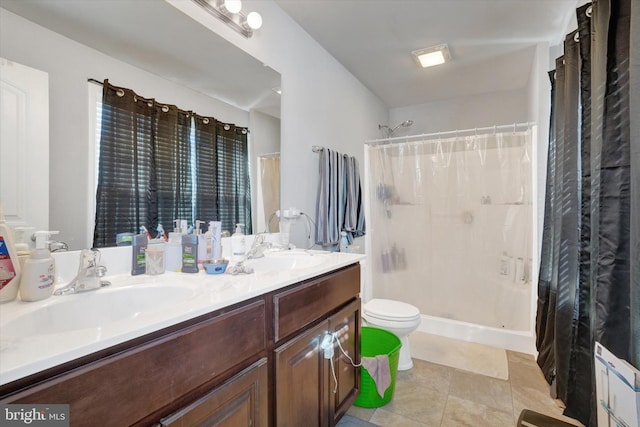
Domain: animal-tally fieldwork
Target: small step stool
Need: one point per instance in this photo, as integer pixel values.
(529, 418)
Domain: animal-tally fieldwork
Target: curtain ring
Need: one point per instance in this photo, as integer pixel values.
(150, 104)
(244, 131)
(589, 11)
(165, 109)
(576, 37)
(120, 93)
(205, 121)
(227, 127)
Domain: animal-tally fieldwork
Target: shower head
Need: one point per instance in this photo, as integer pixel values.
(389, 131)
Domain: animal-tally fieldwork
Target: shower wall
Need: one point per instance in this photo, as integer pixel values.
(451, 227)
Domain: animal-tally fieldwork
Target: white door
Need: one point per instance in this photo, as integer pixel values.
(24, 145)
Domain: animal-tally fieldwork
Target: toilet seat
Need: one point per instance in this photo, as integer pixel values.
(389, 310)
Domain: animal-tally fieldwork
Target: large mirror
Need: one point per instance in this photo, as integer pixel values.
(152, 48)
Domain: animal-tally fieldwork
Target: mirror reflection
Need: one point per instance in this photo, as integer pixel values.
(189, 66)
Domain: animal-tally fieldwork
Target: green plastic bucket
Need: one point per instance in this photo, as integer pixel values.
(374, 342)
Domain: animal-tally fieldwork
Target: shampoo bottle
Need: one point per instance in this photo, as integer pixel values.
(9, 264)
(238, 242)
(39, 272)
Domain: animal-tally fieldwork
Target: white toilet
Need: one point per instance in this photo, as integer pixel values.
(397, 317)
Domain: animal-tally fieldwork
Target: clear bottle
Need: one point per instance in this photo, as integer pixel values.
(238, 244)
(173, 253)
(344, 242)
(39, 272)
(202, 242)
(9, 264)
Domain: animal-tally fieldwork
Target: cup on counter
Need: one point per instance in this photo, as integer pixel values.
(155, 257)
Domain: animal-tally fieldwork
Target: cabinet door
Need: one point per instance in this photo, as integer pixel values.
(346, 326)
(241, 401)
(301, 379)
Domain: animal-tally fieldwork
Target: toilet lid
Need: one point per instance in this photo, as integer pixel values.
(391, 310)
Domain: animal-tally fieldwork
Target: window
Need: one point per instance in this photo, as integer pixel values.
(157, 163)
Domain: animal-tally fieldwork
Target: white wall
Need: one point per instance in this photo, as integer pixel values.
(489, 109)
(69, 65)
(322, 103)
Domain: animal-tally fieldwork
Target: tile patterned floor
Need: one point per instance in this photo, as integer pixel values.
(431, 395)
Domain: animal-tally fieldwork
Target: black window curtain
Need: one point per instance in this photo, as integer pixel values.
(159, 163)
(589, 283)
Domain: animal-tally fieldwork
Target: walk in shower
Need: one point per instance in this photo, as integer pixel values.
(451, 232)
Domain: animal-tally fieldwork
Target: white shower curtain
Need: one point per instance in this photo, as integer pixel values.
(452, 221)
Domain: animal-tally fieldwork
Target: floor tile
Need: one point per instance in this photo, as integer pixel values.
(362, 413)
(389, 419)
(460, 412)
(480, 389)
(430, 375)
(417, 402)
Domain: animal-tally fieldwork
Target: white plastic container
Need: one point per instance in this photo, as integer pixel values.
(215, 234)
(173, 253)
(39, 272)
(9, 264)
(238, 244)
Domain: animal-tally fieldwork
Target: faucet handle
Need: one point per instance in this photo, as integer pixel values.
(89, 258)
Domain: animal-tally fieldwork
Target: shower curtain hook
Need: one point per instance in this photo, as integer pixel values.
(589, 11)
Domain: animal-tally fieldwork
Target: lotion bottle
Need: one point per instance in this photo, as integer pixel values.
(39, 272)
(238, 242)
(9, 264)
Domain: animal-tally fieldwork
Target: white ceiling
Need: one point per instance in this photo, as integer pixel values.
(491, 42)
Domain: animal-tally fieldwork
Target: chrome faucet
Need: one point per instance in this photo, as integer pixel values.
(258, 247)
(89, 274)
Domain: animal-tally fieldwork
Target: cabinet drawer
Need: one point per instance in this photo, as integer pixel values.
(241, 401)
(126, 387)
(296, 308)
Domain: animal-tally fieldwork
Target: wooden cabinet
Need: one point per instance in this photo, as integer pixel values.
(311, 390)
(257, 363)
(241, 401)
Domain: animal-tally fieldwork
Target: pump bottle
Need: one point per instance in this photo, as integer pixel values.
(9, 264)
(238, 247)
(39, 272)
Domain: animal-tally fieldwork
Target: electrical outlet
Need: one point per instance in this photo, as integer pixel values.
(327, 346)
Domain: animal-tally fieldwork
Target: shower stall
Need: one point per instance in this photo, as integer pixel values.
(451, 232)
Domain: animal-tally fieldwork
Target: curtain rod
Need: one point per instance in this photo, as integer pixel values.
(316, 148)
(94, 81)
(483, 130)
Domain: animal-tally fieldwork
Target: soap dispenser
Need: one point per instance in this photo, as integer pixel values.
(39, 270)
(9, 264)
(238, 243)
(202, 242)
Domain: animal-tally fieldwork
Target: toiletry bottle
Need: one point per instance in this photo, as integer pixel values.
(238, 247)
(21, 245)
(202, 242)
(189, 253)
(9, 264)
(39, 271)
(173, 252)
(215, 228)
(344, 242)
(138, 254)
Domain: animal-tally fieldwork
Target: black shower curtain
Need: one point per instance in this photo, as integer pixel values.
(589, 283)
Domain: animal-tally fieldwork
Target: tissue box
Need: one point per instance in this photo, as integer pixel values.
(617, 390)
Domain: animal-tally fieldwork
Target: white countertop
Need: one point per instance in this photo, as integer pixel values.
(45, 340)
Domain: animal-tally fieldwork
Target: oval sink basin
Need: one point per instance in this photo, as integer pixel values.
(95, 309)
(281, 261)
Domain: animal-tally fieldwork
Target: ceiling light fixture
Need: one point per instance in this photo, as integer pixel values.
(430, 56)
(228, 11)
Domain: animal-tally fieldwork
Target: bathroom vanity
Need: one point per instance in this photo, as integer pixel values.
(253, 358)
